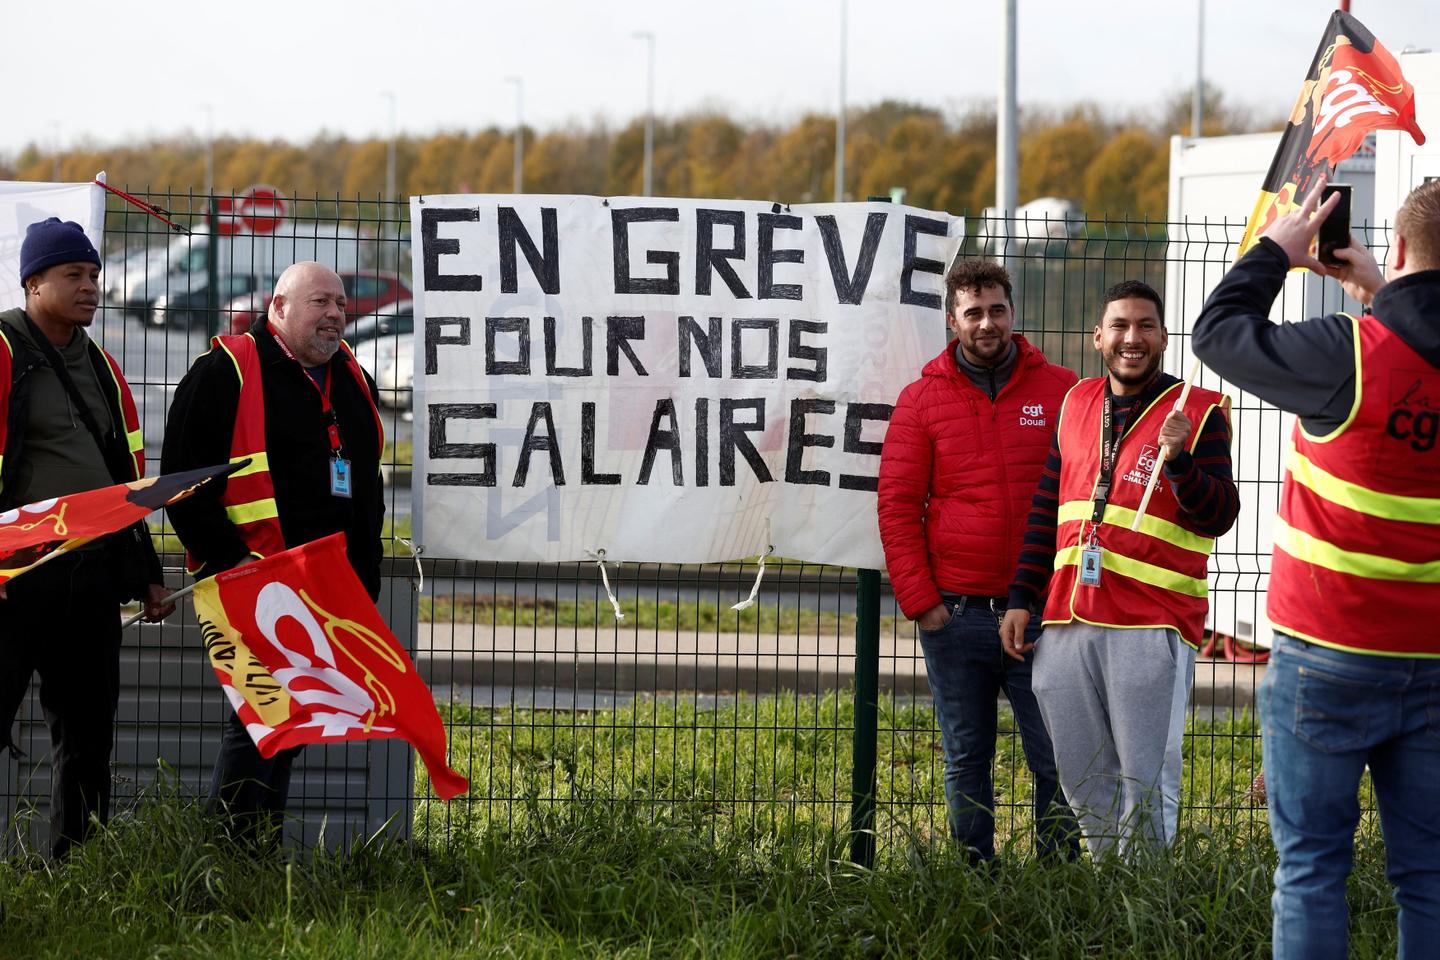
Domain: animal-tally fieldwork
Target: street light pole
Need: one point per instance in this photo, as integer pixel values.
(840, 114)
(649, 38)
(209, 148)
(519, 132)
(390, 149)
(1197, 103)
(1007, 160)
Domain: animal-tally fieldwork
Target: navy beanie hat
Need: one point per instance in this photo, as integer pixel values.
(54, 241)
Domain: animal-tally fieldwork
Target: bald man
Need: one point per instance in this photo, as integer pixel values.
(289, 395)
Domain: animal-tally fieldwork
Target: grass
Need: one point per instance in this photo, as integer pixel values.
(614, 880)
(706, 615)
(675, 827)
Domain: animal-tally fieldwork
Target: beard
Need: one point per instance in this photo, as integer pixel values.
(1132, 379)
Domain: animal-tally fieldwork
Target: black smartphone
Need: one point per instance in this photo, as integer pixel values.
(1335, 231)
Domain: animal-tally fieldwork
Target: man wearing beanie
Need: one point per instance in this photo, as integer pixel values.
(69, 425)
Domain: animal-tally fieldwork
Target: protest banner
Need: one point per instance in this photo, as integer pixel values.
(664, 380)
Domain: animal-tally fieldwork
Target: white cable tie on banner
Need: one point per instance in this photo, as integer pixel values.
(749, 601)
(599, 557)
(415, 555)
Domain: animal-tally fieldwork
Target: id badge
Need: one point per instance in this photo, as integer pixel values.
(339, 477)
(1090, 566)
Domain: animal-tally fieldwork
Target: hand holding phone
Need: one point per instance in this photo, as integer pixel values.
(1335, 229)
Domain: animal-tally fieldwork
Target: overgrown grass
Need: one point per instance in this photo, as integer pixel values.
(679, 827)
(778, 767)
(597, 879)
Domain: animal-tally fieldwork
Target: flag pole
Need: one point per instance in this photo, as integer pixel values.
(1155, 474)
(183, 592)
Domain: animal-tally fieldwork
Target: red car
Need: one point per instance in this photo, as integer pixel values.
(365, 292)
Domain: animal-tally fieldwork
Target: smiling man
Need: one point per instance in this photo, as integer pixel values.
(70, 424)
(963, 451)
(290, 397)
(1125, 610)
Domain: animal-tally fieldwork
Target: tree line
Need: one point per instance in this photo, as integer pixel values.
(1113, 165)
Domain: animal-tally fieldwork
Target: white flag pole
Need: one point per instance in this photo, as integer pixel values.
(1160, 464)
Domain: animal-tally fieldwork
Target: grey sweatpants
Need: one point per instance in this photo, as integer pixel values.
(1114, 702)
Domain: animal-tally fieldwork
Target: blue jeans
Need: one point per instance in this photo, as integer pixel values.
(967, 670)
(1326, 714)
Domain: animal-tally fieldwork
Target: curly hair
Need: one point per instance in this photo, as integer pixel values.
(973, 275)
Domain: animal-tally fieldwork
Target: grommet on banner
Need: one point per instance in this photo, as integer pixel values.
(599, 557)
(749, 601)
(415, 555)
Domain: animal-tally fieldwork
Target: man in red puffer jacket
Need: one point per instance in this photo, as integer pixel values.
(965, 448)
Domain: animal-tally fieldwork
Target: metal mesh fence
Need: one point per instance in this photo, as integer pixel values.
(740, 724)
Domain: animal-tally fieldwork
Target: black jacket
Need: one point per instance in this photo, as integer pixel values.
(1306, 368)
(199, 431)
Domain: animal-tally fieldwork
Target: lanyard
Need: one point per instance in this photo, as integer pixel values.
(1109, 450)
(332, 422)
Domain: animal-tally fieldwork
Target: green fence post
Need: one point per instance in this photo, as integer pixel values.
(212, 267)
(867, 708)
(867, 716)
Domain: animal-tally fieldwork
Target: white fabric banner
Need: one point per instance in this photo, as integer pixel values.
(664, 380)
(22, 204)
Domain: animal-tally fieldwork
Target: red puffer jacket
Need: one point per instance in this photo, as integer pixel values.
(957, 473)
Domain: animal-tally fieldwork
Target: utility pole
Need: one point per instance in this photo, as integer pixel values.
(519, 132)
(649, 38)
(840, 114)
(209, 148)
(390, 150)
(1197, 104)
(1007, 155)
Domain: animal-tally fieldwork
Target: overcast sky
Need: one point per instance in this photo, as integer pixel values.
(108, 73)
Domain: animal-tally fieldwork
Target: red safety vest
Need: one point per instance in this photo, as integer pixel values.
(134, 442)
(249, 497)
(1357, 539)
(1153, 577)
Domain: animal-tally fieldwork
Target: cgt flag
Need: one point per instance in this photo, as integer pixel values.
(304, 657)
(1354, 86)
(37, 532)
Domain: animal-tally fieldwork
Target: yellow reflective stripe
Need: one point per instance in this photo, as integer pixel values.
(1322, 553)
(259, 463)
(1388, 506)
(1139, 570)
(135, 441)
(250, 512)
(1156, 527)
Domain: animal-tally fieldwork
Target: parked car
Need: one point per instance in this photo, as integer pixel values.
(397, 374)
(189, 303)
(366, 291)
(376, 334)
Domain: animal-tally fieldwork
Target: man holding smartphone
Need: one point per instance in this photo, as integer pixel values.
(1354, 675)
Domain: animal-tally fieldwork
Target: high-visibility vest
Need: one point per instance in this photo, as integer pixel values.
(124, 402)
(1153, 577)
(1357, 539)
(249, 496)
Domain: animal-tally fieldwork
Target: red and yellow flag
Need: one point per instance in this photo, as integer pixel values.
(304, 657)
(1354, 86)
(37, 532)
